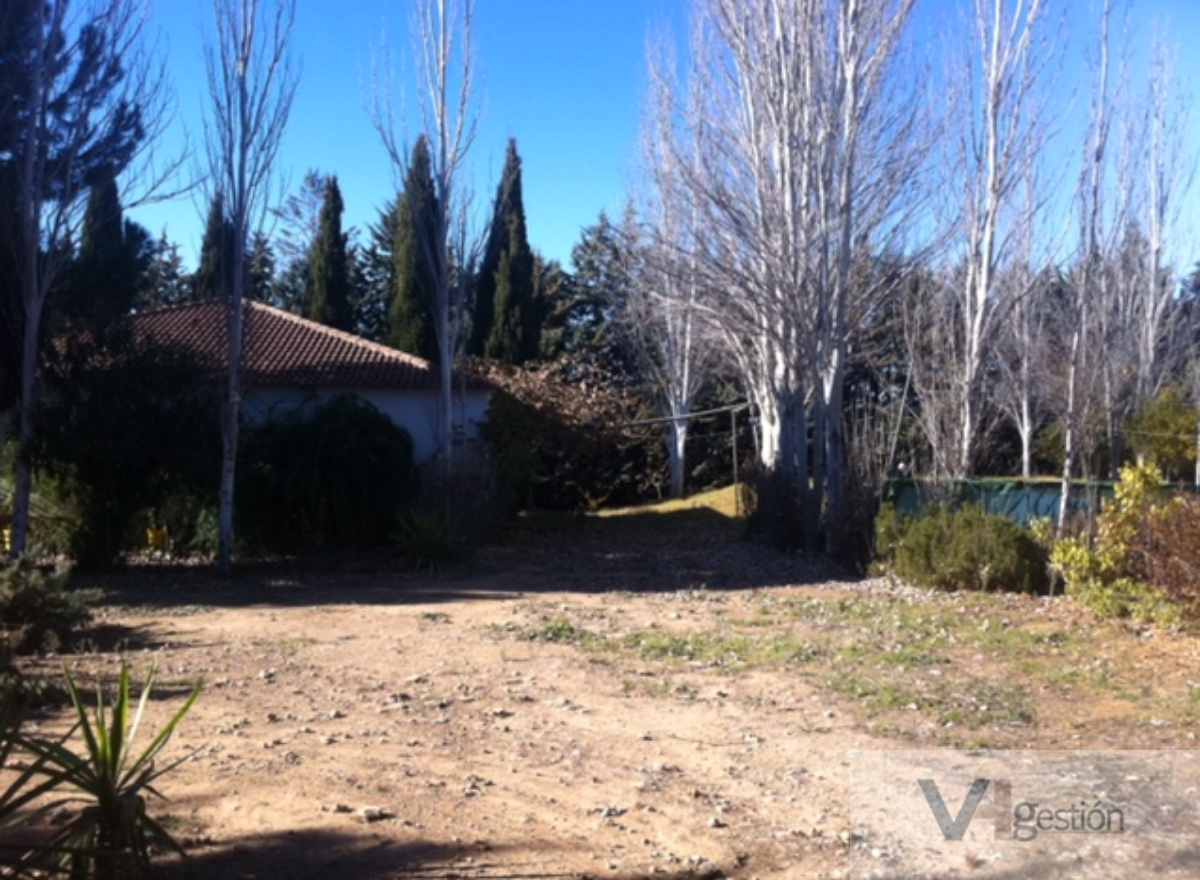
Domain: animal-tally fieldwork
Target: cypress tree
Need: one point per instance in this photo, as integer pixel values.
(411, 313)
(103, 282)
(504, 320)
(328, 276)
(212, 278)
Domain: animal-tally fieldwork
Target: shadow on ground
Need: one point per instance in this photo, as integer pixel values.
(316, 855)
(687, 550)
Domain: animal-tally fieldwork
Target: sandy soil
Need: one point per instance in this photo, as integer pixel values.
(360, 724)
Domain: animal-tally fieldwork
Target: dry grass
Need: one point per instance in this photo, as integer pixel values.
(731, 502)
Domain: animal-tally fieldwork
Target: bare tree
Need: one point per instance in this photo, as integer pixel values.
(799, 142)
(1126, 291)
(1092, 217)
(931, 322)
(1000, 104)
(1024, 339)
(663, 324)
(664, 317)
(86, 100)
(1167, 181)
(251, 83)
(443, 37)
(300, 218)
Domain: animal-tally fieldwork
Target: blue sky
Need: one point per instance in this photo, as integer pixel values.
(566, 78)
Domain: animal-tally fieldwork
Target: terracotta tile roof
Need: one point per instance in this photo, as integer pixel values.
(283, 350)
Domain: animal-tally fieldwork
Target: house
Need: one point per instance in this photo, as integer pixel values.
(289, 363)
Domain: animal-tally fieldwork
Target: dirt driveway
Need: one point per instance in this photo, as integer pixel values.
(628, 701)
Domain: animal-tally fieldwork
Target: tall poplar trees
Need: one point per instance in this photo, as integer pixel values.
(444, 43)
(789, 144)
(251, 84)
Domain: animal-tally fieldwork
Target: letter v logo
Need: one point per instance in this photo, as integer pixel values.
(954, 829)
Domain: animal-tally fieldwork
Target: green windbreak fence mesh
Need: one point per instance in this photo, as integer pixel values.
(1019, 500)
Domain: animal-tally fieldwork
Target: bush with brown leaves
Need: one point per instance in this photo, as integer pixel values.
(564, 437)
(1166, 553)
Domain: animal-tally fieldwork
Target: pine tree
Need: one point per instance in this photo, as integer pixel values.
(328, 275)
(291, 287)
(411, 315)
(166, 283)
(212, 278)
(261, 262)
(597, 295)
(376, 277)
(504, 322)
(552, 298)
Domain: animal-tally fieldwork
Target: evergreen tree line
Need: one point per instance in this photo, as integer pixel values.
(376, 283)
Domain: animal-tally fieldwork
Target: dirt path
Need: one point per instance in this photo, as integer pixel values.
(365, 726)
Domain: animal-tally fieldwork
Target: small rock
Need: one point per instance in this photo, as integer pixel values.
(717, 822)
(375, 814)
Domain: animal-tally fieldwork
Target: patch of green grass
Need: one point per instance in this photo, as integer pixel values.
(659, 689)
(702, 647)
(891, 696)
(559, 631)
(913, 657)
(294, 644)
(787, 650)
(962, 666)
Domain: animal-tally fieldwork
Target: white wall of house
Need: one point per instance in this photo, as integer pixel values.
(415, 411)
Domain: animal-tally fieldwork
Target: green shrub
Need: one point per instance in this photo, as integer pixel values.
(37, 610)
(890, 526)
(1163, 432)
(965, 549)
(122, 427)
(338, 475)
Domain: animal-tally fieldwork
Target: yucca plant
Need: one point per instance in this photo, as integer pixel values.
(24, 790)
(427, 540)
(111, 834)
